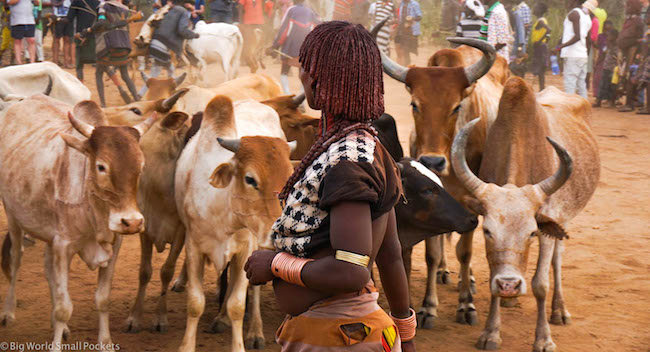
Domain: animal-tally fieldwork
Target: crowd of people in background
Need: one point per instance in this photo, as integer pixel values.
(592, 54)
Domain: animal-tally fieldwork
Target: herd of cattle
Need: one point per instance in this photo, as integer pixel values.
(199, 168)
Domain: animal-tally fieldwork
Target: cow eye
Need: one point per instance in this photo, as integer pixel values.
(101, 168)
(414, 106)
(456, 110)
(428, 192)
(251, 181)
(533, 234)
(487, 233)
(136, 111)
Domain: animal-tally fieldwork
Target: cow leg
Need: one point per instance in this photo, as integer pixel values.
(221, 322)
(490, 338)
(429, 310)
(543, 340)
(466, 312)
(62, 309)
(443, 276)
(135, 317)
(236, 301)
(255, 334)
(14, 241)
(195, 295)
(181, 280)
(103, 295)
(49, 275)
(559, 314)
(166, 274)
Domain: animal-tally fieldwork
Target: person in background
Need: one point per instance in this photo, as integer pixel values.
(643, 76)
(496, 28)
(408, 31)
(7, 40)
(296, 25)
(379, 11)
(573, 49)
(251, 15)
(540, 35)
(343, 10)
(601, 51)
(522, 19)
(38, 33)
(449, 16)
(196, 11)
(23, 26)
(269, 16)
(63, 31)
(606, 89)
(471, 20)
(85, 14)
(628, 43)
(590, 6)
(221, 11)
(359, 12)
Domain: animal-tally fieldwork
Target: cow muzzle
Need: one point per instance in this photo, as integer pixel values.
(436, 163)
(507, 286)
(126, 223)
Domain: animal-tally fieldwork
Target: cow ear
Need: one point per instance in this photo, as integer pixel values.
(550, 228)
(222, 175)
(469, 90)
(174, 120)
(76, 143)
(474, 205)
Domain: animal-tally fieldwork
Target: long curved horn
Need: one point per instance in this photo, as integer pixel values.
(298, 99)
(83, 128)
(179, 80)
(145, 76)
(145, 125)
(483, 66)
(230, 144)
(48, 89)
(392, 68)
(557, 180)
(467, 178)
(168, 103)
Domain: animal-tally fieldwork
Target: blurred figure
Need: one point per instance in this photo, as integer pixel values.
(63, 31)
(607, 89)
(628, 42)
(379, 11)
(221, 11)
(471, 19)
(251, 16)
(496, 28)
(38, 32)
(540, 35)
(573, 49)
(84, 12)
(522, 19)
(196, 11)
(23, 26)
(7, 40)
(342, 10)
(408, 31)
(449, 14)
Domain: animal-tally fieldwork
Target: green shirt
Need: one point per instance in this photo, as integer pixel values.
(37, 11)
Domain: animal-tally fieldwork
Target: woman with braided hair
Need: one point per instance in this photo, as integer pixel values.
(338, 218)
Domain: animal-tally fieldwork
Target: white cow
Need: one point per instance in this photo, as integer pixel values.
(26, 80)
(218, 42)
(229, 220)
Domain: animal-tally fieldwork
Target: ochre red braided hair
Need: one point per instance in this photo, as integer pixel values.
(344, 63)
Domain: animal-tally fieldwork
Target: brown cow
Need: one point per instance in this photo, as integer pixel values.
(520, 197)
(159, 88)
(296, 126)
(443, 99)
(78, 201)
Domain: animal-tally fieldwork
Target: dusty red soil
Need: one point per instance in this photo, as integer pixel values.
(606, 267)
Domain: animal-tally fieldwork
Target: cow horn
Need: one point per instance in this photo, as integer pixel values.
(48, 89)
(392, 68)
(145, 125)
(168, 103)
(230, 144)
(145, 76)
(458, 161)
(483, 66)
(557, 180)
(298, 99)
(179, 80)
(85, 129)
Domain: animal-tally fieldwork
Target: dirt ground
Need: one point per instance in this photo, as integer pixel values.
(606, 265)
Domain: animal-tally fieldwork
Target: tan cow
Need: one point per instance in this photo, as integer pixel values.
(160, 88)
(73, 185)
(229, 220)
(134, 113)
(520, 197)
(444, 98)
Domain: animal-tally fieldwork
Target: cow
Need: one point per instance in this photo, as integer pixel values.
(253, 48)
(229, 220)
(442, 99)
(29, 79)
(134, 113)
(296, 126)
(218, 43)
(158, 88)
(521, 196)
(7, 99)
(70, 180)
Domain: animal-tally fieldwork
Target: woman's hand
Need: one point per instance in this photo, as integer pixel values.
(258, 267)
(408, 346)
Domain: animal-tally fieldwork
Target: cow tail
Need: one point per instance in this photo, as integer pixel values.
(235, 62)
(6, 256)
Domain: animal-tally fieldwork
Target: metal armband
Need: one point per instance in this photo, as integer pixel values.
(358, 259)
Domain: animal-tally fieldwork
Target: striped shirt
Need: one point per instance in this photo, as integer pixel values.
(379, 11)
(469, 27)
